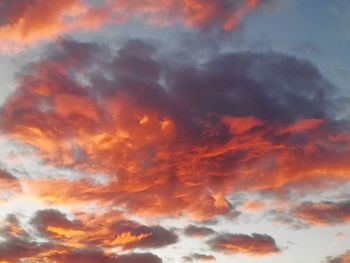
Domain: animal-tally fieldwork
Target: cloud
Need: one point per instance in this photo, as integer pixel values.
(340, 236)
(130, 234)
(163, 133)
(198, 231)
(82, 256)
(20, 26)
(344, 258)
(194, 13)
(54, 224)
(287, 219)
(106, 230)
(47, 252)
(8, 180)
(324, 213)
(251, 245)
(9, 185)
(254, 205)
(11, 227)
(10, 247)
(97, 256)
(199, 258)
(339, 9)
(139, 258)
(80, 237)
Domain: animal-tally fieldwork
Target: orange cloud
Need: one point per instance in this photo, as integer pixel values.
(101, 230)
(254, 205)
(27, 23)
(32, 21)
(9, 185)
(12, 227)
(254, 245)
(324, 213)
(161, 146)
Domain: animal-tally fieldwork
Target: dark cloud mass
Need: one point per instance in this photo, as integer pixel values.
(171, 134)
(97, 256)
(165, 132)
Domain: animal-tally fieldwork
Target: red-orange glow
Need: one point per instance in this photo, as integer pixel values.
(23, 27)
(303, 125)
(254, 205)
(127, 238)
(255, 245)
(64, 232)
(40, 20)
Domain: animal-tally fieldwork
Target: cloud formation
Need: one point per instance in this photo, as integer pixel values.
(107, 230)
(198, 231)
(9, 186)
(199, 258)
(108, 147)
(85, 237)
(164, 133)
(96, 256)
(251, 245)
(324, 213)
(26, 23)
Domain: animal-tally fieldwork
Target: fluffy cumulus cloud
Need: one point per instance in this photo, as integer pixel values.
(24, 23)
(253, 245)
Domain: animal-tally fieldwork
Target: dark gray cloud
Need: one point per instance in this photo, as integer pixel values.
(139, 258)
(54, 218)
(198, 231)
(13, 249)
(94, 255)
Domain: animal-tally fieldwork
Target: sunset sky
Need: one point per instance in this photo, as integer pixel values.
(149, 131)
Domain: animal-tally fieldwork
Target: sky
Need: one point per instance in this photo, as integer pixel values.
(149, 131)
